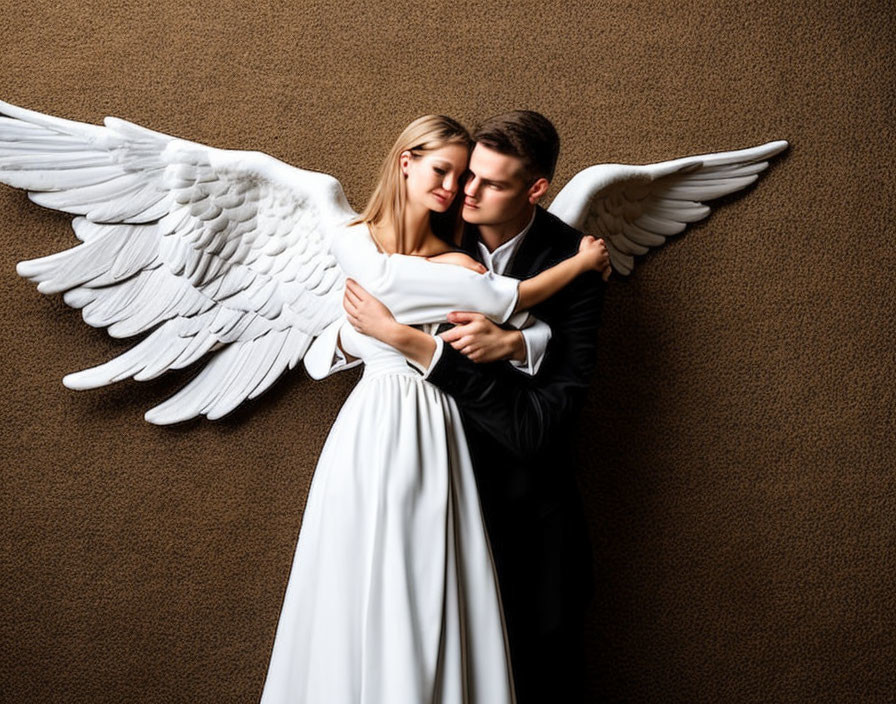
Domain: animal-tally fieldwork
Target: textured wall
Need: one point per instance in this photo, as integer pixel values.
(737, 447)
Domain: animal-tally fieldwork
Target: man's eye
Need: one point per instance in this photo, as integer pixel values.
(494, 186)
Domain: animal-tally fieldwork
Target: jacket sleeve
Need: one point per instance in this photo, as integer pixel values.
(526, 416)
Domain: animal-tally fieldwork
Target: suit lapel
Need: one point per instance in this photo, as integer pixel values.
(533, 249)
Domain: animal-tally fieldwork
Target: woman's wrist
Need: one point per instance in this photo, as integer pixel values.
(584, 262)
(394, 333)
(414, 344)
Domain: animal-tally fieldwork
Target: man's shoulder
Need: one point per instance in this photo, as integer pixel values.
(562, 241)
(557, 235)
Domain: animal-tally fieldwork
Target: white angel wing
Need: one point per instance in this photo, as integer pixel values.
(635, 208)
(209, 249)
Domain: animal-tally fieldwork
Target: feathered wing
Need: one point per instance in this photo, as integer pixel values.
(635, 208)
(211, 250)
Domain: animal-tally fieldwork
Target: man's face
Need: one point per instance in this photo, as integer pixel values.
(495, 192)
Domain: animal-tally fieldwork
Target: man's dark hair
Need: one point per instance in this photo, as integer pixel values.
(525, 134)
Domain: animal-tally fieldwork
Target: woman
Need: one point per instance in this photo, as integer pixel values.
(393, 596)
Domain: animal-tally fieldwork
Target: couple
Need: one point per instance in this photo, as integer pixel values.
(443, 537)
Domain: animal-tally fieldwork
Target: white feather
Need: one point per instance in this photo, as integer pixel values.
(637, 207)
(200, 246)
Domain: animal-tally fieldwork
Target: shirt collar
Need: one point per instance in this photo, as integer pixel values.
(508, 249)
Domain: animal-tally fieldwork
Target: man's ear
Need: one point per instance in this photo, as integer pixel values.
(403, 160)
(537, 190)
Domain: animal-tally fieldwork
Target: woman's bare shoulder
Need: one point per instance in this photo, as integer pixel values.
(458, 259)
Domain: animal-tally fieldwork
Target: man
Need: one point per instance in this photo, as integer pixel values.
(519, 426)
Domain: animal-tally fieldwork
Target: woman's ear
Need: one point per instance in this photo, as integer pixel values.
(403, 160)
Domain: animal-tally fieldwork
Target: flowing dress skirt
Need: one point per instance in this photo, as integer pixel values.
(392, 598)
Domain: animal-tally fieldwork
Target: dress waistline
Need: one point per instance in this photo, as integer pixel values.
(390, 367)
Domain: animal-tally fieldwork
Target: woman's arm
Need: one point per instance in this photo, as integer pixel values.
(326, 356)
(592, 254)
(369, 316)
(476, 336)
(419, 291)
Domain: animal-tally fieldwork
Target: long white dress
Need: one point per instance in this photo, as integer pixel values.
(393, 597)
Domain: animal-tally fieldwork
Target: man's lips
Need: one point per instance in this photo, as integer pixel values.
(472, 206)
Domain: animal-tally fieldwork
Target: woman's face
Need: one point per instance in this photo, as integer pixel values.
(433, 178)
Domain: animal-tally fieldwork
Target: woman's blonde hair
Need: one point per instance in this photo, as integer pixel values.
(390, 195)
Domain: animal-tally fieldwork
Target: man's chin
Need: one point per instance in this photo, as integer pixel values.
(471, 215)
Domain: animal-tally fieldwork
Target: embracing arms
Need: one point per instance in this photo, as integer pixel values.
(476, 336)
(409, 290)
(526, 415)
(522, 414)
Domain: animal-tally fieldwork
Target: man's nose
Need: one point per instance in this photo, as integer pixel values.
(472, 187)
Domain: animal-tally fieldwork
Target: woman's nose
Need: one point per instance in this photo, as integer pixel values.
(449, 183)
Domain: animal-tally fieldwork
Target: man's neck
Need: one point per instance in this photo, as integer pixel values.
(493, 236)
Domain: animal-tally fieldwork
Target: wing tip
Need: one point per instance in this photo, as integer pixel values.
(771, 149)
(28, 268)
(167, 414)
(79, 381)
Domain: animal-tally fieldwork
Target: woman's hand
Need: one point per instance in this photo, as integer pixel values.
(370, 317)
(594, 255)
(367, 314)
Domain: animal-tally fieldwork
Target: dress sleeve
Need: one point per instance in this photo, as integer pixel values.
(418, 291)
(324, 356)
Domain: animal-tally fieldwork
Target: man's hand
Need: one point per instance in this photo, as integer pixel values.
(367, 314)
(481, 340)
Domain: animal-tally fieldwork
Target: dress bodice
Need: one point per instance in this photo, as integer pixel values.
(417, 292)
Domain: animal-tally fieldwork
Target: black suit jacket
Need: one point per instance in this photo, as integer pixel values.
(519, 430)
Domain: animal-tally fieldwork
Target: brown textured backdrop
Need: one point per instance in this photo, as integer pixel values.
(737, 448)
